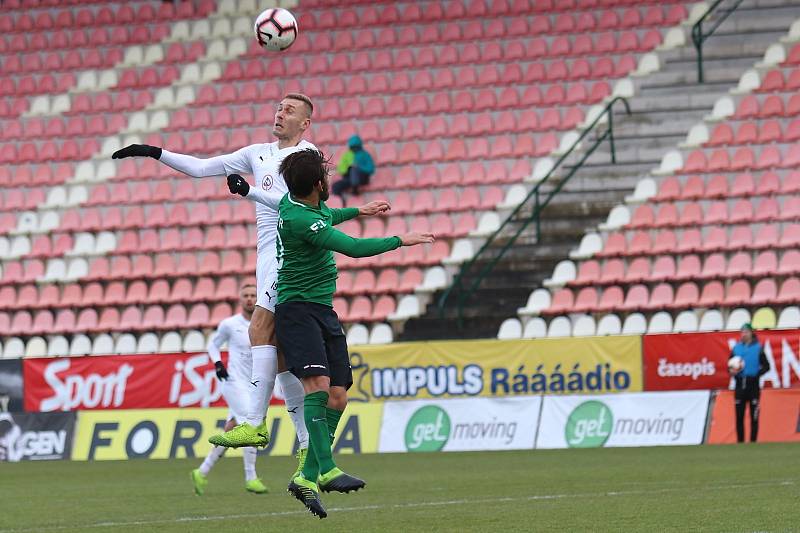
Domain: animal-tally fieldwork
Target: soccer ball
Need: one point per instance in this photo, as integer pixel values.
(276, 29)
(735, 364)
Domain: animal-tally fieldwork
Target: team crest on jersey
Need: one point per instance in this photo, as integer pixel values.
(266, 183)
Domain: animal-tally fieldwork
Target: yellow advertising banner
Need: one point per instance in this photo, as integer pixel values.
(175, 433)
(451, 369)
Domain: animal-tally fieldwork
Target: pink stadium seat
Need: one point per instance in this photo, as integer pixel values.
(739, 265)
(114, 293)
(615, 244)
(153, 319)
(643, 217)
(613, 271)
(588, 273)
(790, 237)
(738, 293)
(790, 263)
(766, 264)
(638, 270)
(691, 215)
(713, 267)
(664, 242)
(86, 321)
(175, 318)
(687, 295)
(790, 292)
(636, 298)
(661, 297)
(766, 237)
(360, 310)
(712, 295)
(640, 244)
(743, 185)
(663, 268)
(108, 321)
(765, 292)
(562, 302)
(717, 213)
(199, 316)
(586, 300)
(65, 322)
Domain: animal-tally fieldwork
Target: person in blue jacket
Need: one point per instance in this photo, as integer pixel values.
(748, 388)
(355, 166)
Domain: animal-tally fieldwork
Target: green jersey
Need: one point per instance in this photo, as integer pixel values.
(306, 242)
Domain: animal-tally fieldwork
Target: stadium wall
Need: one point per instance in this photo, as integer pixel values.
(426, 396)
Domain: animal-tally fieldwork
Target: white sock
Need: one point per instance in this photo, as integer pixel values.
(294, 395)
(249, 458)
(215, 453)
(262, 381)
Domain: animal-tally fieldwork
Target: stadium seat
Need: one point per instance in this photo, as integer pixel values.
(660, 322)
(511, 328)
(789, 317)
(685, 322)
(635, 324)
(170, 342)
(559, 326)
(737, 318)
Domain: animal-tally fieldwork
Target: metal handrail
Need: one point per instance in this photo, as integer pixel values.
(539, 205)
(699, 37)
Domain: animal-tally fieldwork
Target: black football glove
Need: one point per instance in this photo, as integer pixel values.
(137, 150)
(238, 185)
(222, 372)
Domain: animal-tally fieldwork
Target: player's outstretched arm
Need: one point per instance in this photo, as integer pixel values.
(238, 185)
(219, 165)
(371, 209)
(337, 241)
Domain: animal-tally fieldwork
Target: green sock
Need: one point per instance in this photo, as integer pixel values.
(314, 407)
(333, 416)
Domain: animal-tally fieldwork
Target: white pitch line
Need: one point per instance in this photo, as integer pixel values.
(410, 505)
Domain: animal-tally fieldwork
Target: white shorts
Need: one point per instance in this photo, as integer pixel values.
(237, 397)
(267, 281)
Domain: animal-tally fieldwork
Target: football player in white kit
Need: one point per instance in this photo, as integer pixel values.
(235, 382)
(292, 119)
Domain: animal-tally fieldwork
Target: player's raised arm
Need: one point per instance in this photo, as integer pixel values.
(332, 239)
(220, 337)
(196, 167)
(238, 185)
(367, 210)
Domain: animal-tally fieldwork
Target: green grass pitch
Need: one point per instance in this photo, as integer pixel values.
(702, 488)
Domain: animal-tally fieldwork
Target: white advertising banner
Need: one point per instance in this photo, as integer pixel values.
(636, 419)
(460, 424)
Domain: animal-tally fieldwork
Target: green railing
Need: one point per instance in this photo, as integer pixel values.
(540, 201)
(699, 36)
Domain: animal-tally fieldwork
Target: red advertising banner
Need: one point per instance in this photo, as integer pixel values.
(700, 360)
(121, 382)
(779, 418)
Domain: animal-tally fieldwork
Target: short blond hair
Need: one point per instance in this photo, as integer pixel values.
(303, 98)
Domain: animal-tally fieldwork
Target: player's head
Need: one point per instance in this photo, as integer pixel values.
(247, 297)
(304, 172)
(747, 333)
(293, 116)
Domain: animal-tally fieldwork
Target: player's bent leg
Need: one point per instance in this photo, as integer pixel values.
(242, 434)
(199, 476)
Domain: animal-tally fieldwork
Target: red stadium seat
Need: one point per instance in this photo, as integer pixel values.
(686, 296)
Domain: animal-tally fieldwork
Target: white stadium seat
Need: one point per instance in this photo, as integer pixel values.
(487, 224)
(619, 216)
(789, 318)
(36, 347)
(584, 326)
(511, 328)
(609, 325)
(56, 270)
(170, 342)
(58, 346)
(84, 244)
(80, 345)
(462, 251)
(538, 300)
(563, 272)
(660, 322)
(357, 334)
(434, 280)
(27, 222)
(381, 334)
(685, 322)
(77, 269)
(711, 321)
(194, 341)
(590, 245)
(14, 348)
(635, 324)
(20, 245)
(105, 243)
(48, 221)
(407, 307)
(148, 343)
(737, 318)
(103, 344)
(560, 326)
(535, 328)
(125, 344)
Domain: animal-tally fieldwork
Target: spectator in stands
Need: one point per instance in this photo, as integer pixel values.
(355, 166)
(748, 388)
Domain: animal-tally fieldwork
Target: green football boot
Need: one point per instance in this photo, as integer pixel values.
(301, 455)
(200, 481)
(255, 486)
(339, 481)
(308, 493)
(242, 435)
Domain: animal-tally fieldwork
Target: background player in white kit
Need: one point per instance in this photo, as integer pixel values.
(292, 119)
(235, 382)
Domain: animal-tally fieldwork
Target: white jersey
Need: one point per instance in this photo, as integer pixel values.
(234, 331)
(260, 160)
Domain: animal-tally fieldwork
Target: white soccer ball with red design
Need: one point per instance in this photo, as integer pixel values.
(276, 29)
(735, 364)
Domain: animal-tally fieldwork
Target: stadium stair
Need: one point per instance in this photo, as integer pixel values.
(664, 106)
